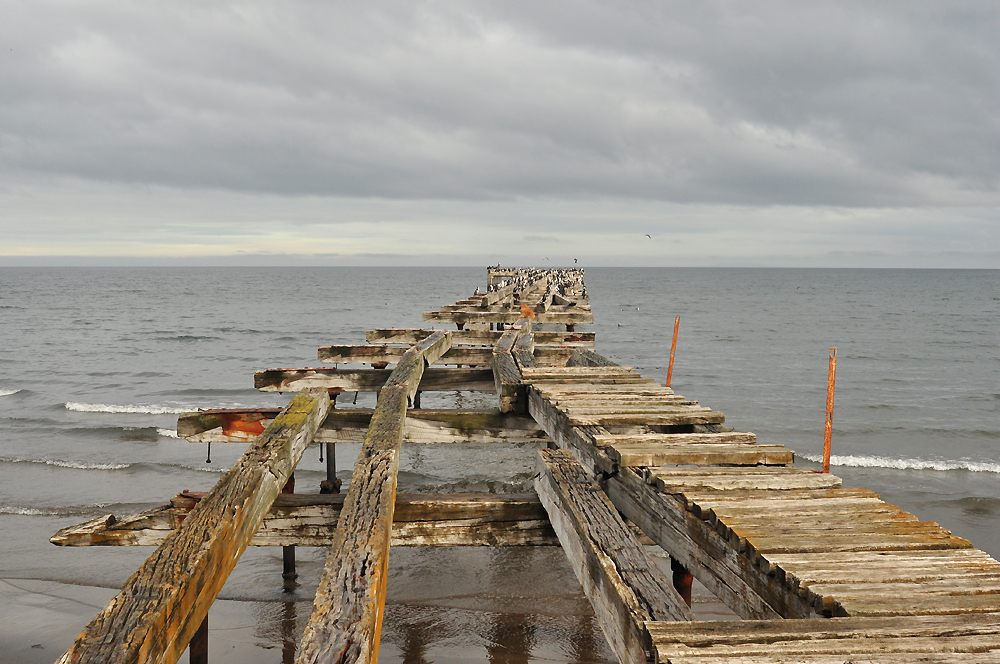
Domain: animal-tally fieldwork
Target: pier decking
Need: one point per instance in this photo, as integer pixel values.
(818, 573)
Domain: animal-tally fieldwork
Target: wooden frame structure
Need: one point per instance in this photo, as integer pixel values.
(621, 457)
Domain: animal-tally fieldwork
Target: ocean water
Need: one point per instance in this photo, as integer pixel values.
(95, 363)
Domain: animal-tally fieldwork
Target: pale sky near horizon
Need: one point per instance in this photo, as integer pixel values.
(765, 133)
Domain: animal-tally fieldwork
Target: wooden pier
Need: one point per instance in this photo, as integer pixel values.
(818, 573)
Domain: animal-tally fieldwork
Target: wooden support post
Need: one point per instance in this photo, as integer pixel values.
(346, 622)
(165, 601)
(673, 349)
(831, 378)
(570, 327)
(331, 484)
(623, 584)
(288, 552)
(198, 648)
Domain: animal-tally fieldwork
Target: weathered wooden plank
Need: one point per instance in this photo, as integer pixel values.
(623, 583)
(346, 622)
(862, 658)
(671, 480)
(349, 425)
(556, 424)
(588, 358)
(573, 317)
(510, 391)
(732, 577)
(859, 649)
(479, 337)
(370, 380)
(648, 419)
(164, 602)
(698, 454)
(701, 634)
(458, 355)
(311, 520)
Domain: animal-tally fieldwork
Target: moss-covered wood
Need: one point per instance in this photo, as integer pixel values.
(164, 602)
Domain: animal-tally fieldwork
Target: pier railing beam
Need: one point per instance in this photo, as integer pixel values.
(623, 584)
(164, 602)
(346, 622)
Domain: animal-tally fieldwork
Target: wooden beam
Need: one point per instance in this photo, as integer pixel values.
(623, 584)
(588, 358)
(458, 355)
(472, 316)
(963, 638)
(507, 383)
(311, 520)
(164, 602)
(478, 337)
(346, 622)
(370, 380)
(738, 581)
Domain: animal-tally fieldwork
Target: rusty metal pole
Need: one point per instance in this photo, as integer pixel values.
(828, 433)
(673, 349)
(288, 552)
(198, 647)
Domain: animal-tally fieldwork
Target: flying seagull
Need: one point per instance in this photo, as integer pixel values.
(574, 260)
(649, 236)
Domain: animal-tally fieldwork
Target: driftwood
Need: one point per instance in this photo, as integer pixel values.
(164, 602)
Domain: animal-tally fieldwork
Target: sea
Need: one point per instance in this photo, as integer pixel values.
(96, 363)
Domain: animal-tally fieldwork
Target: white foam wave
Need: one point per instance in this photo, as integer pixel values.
(7, 393)
(167, 433)
(79, 465)
(24, 511)
(905, 464)
(130, 408)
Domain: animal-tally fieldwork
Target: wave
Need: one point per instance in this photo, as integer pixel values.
(905, 464)
(7, 393)
(116, 408)
(79, 465)
(167, 433)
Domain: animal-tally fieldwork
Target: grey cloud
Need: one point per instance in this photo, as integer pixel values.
(819, 103)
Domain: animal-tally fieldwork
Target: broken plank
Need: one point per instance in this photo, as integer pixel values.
(164, 602)
(311, 520)
(623, 583)
(349, 425)
(370, 380)
(478, 337)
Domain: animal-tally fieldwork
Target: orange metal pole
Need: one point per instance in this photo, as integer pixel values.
(828, 433)
(673, 349)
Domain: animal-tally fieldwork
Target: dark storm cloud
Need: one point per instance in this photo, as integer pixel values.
(816, 103)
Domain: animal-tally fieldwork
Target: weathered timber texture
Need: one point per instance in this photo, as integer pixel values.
(510, 390)
(346, 621)
(588, 358)
(349, 425)
(164, 602)
(624, 585)
(573, 316)
(478, 337)
(458, 355)
(733, 578)
(311, 520)
(370, 380)
(971, 638)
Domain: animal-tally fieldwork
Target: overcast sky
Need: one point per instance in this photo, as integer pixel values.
(733, 133)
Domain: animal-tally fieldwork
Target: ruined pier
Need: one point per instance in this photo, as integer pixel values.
(816, 572)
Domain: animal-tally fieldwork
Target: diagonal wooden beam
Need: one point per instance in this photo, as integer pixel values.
(346, 622)
(164, 602)
(622, 582)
